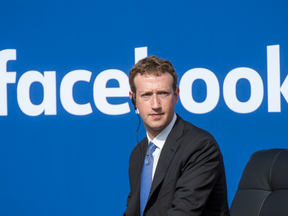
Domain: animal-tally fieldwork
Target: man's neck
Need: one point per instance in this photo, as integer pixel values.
(153, 134)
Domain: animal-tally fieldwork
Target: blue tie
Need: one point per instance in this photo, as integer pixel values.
(146, 177)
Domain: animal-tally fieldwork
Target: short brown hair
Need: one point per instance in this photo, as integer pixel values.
(152, 65)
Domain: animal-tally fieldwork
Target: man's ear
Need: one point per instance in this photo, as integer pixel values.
(130, 94)
(176, 94)
(133, 99)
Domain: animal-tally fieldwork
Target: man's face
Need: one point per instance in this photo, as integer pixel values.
(155, 100)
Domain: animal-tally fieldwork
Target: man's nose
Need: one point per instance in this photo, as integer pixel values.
(156, 102)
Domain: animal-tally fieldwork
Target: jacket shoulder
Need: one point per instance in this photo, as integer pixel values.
(190, 130)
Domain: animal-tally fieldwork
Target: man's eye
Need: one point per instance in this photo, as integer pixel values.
(146, 95)
(164, 93)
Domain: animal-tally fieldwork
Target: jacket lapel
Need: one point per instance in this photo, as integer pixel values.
(143, 147)
(169, 149)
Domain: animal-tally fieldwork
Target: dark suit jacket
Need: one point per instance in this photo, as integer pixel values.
(189, 178)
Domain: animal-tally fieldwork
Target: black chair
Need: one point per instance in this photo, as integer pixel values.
(263, 188)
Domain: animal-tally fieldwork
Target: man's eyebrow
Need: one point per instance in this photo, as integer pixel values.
(160, 90)
(145, 91)
(164, 90)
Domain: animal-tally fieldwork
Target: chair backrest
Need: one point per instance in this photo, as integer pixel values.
(263, 188)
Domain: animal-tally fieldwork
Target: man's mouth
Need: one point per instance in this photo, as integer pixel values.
(156, 115)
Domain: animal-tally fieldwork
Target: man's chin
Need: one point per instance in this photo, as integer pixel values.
(157, 128)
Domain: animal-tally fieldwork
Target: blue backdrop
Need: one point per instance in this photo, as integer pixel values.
(54, 162)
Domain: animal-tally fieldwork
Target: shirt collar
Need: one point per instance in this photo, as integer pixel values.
(160, 139)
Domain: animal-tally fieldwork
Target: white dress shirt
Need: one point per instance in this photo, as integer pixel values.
(159, 141)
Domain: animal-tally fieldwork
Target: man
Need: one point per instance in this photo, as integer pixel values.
(178, 168)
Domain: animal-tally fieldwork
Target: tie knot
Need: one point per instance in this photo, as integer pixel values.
(151, 148)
